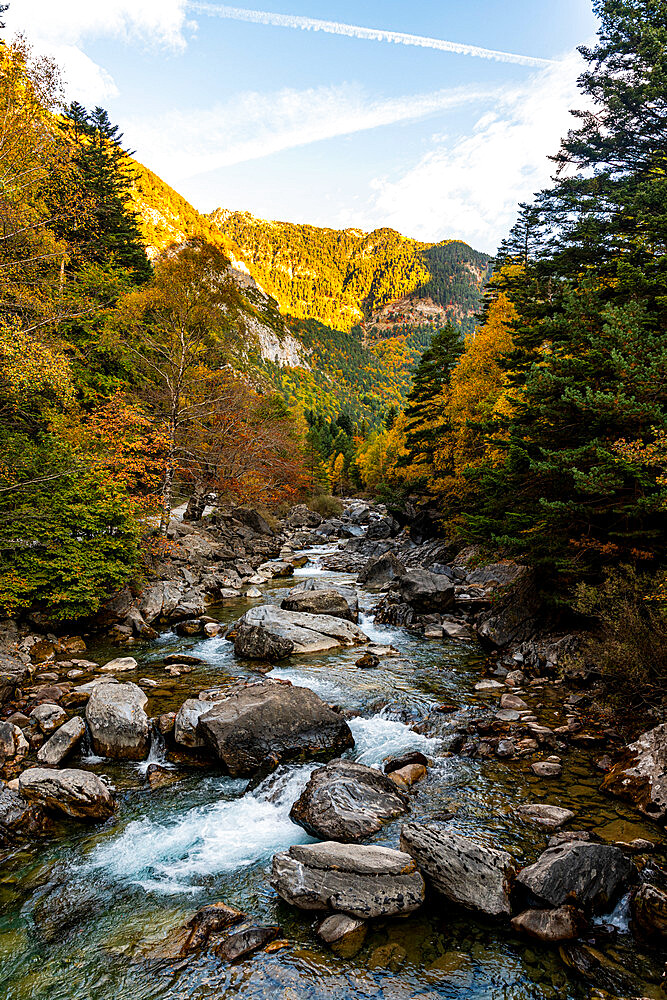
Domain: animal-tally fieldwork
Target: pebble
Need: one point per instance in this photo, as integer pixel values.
(489, 685)
(546, 769)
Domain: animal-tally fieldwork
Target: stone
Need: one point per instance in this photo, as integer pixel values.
(272, 719)
(515, 678)
(562, 924)
(366, 882)
(272, 569)
(13, 672)
(244, 942)
(425, 591)
(649, 911)
(252, 642)
(121, 664)
(456, 630)
(253, 592)
(117, 721)
(488, 685)
(408, 775)
(307, 633)
(301, 516)
(507, 715)
(545, 815)
(344, 935)
(411, 757)
(211, 629)
(320, 599)
(546, 769)
(368, 661)
(640, 776)
(590, 875)
(379, 573)
(347, 802)
(513, 702)
(62, 743)
(18, 818)
(193, 661)
(461, 869)
(13, 743)
(76, 793)
(187, 720)
(48, 717)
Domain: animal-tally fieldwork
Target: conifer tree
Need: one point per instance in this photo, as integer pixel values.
(424, 411)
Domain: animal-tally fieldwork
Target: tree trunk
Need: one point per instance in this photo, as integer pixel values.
(196, 504)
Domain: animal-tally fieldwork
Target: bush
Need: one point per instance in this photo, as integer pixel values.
(326, 505)
(629, 647)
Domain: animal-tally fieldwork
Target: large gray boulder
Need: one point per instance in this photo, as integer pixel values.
(272, 720)
(253, 642)
(76, 793)
(187, 720)
(117, 721)
(18, 818)
(303, 517)
(322, 599)
(425, 591)
(62, 743)
(307, 633)
(461, 869)
(379, 573)
(590, 875)
(347, 801)
(366, 882)
(640, 776)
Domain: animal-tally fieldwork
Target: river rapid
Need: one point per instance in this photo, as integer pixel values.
(77, 911)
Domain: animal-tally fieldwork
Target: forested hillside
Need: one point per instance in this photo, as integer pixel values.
(346, 277)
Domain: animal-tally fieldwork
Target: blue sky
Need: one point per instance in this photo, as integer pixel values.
(323, 126)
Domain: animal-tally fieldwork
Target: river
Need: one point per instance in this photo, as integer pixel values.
(78, 910)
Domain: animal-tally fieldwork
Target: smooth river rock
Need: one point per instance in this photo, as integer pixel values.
(590, 875)
(71, 791)
(640, 776)
(562, 924)
(307, 633)
(348, 802)
(272, 720)
(117, 721)
(319, 600)
(544, 814)
(461, 869)
(63, 741)
(187, 720)
(364, 882)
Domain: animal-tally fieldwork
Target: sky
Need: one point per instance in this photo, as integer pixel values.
(434, 117)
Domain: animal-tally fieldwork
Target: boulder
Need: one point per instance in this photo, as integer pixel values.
(461, 869)
(76, 793)
(640, 776)
(344, 935)
(366, 882)
(308, 633)
(253, 642)
(303, 517)
(187, 720)
(347, 801)
(63, 741)
(425, 591)
(48, 717)
(589, 875)
(368, 661)
(13, 673)
(379, 573)
(649, 911)
(119, 665)
(562, 924)
(18, 819)
(408, 775)
(13, 743)
(411, 757)
(117, 721)
(323, 599)
(274, 569)
(245, 941)
(272, 720)
(545, 814)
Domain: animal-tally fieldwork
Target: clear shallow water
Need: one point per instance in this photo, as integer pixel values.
(76, 913)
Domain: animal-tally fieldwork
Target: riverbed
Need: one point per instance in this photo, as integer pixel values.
(79, 911)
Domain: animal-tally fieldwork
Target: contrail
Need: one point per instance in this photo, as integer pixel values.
(356, 31)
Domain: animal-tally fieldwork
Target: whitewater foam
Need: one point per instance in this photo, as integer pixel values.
(377, 738)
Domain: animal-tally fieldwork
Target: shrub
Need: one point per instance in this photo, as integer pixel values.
(326, 505)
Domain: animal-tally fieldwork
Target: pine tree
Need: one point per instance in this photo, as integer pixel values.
(424, 411)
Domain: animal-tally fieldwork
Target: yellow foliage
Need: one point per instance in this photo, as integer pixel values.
(30, 367)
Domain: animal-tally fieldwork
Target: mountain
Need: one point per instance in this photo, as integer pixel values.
(347, 277)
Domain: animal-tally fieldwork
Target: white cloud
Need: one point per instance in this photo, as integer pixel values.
(61, 29)
(254, 125)
(470, 187)
(365, 34)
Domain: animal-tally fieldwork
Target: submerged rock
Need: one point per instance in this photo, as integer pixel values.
(545, 814)
(347, 801)
(364, 882)
(562, 924)
(344, 935)
(117, 721)
(76, 793)
(590, 875)
(272, 720)
(461, 869)
(640, 776)
(245, 941)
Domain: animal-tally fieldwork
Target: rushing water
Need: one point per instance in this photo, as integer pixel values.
(78, 912)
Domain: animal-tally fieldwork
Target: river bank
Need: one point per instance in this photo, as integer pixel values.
(98, 899)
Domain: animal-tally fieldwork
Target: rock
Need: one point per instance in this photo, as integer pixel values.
(189, 626)
(48, 717)
(515, 678)
(463, 870)
(456, 630)
(568, 836)
(187, 720)
(76, 793)
(347, 801)
(507, 715)
(18, 819)
(649, 910)
(158, 776)
(194, 936)
(63, 741)
(271, 570)
(193, 661)
(13, 743)
(411, 757)
(307, 633)
(212, 629)
(121, 664)
(408, 775)
(117, 721)
(640, 776)
(546, 769)
(545, 814)
(425, 591)
(368, 661)
(245, 941)
(303, 517)
(511, 701)
(269, 719)
(590, 875)
(321, 601)
(13, 673)
(488, 685)
(345, 935)
(561, 924)
(379, 573)
(361, 881)
(253, 592)
(253, 642)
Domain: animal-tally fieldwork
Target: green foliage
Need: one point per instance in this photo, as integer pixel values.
(424, 424)
(326, 506)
